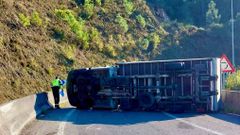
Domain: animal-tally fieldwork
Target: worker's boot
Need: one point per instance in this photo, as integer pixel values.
(57, 107)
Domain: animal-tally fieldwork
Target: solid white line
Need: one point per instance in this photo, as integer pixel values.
(192, 124)
(90, 126)
(63, 124)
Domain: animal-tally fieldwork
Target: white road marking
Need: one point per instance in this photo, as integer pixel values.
(98, 128)
(91, 126)
(63, 124)
(88, 127)
(192, 124)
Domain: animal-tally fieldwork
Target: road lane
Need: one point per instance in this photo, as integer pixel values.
(223, 123)
(85, 122)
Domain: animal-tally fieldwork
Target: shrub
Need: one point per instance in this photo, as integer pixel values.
(25, 20)
(143, 43)
(129, 7)
(95, 37)
(120, 40)
(155, 40)
(88, 8)
(110, 51)
(110, 48)
(162, 31)
(141, 21)
(233, 81)
(212, 15)
(130, 44)
(98, 2)
(35, 19)
(69, 51)
(77, 26)
(49, 70)
(122, 23)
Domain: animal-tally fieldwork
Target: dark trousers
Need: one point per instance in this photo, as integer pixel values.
(56, 96)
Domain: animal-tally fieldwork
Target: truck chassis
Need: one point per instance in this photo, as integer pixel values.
(169, 85)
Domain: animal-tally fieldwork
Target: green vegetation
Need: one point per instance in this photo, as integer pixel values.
(89, 8)
(155, 40)
(129, 7)
(141, 21)
(98, 2)
(143, 43)
(25, 20)
(122, 23)
(77, 26)
(55, 37)
(117, 46)
(35, 19)
(96, 39)
(195, 11)
(212, 16)
(69, 51)
(233, 81)
(149, 43)
(110, 51)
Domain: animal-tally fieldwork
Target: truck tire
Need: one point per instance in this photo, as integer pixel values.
(146, 100)
(71, 90)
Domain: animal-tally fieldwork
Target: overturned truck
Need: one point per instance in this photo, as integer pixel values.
(169, 85)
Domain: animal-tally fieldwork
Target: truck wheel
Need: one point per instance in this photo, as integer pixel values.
(146, 100)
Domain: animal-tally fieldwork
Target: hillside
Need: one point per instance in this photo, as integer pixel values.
(42, 39)
(192, 33)
(190, 41)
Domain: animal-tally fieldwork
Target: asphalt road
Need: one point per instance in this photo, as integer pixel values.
(70, 121)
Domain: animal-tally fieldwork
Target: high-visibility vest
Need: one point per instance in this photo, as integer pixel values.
(56, 82)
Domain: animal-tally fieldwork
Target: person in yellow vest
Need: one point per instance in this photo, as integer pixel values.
(56, 85)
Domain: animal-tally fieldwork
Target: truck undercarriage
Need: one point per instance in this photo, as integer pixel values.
(169, 85)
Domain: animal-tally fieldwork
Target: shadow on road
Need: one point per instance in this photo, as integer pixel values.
(84, 117)
(226, 117)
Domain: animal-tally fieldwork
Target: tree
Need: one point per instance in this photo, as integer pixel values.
(212, 16)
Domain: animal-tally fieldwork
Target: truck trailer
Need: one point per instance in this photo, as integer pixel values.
(160, 85)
